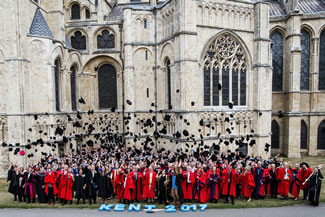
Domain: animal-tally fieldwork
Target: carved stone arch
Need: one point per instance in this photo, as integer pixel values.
(74, 58)
(57, 52)
(167, 50)
(145, 48)
(307, 27)
(37, 50)
(105, 38)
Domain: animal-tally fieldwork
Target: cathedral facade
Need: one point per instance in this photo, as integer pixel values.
(222, 74)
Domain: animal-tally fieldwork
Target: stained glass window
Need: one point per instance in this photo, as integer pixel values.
(305, 60)
(78, 41)
(235, 85)
(73, 88)
(105, 40)
(225, 60)
(75, 12)
(303, 135)
(277, 61)
(207, 99)
(322, 62)
(225, 85)
(275, 138)
(57, 84)
(321, 136)
(243, 85)
(215, 85)
(169, 94)
(107, 87)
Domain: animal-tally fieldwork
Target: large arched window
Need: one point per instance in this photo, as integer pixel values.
(277, 61)
(57, 66)
(169, 91)
(303, 135)
(78, 41)
(75, 12)
(321, 136)
(322, 61)
(105, 40)
(73, 72)
(225, 72)
(107, 87)
(275, 138)
(305, 60)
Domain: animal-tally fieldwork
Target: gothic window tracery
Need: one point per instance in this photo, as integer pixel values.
(277, 61)
(78, 41)
(275, 138)
(105, 40)
(225, 72)
(322, 62)
(305, 60)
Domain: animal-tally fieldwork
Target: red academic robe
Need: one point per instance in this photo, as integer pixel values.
(128, 187)
(225, 177)
(50, 179)
(136, 193)
(304, 174)
(149, 193)
(247, 184)
(119, 179)
(66, 184)
(187, 187)
(284, 185)
(58, 173)
(202, 194)
(113, 177)
(296, 184)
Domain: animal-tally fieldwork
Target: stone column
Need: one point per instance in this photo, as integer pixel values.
(292, 52)
(262, 75)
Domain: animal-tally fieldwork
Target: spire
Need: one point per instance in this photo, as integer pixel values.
(39, 26)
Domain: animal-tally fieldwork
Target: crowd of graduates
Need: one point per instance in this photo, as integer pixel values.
(132, 175)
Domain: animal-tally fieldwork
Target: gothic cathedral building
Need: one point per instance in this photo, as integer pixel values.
(231, 74)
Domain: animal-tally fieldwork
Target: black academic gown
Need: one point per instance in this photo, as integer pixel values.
(14, 181)
(80, 181)
(103, 190)
(41, 196)
(315, 184)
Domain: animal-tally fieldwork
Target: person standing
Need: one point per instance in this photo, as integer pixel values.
(40, 185)
(30, 191)
(188, 183)
(315, 184)
(305, 172)
(214, 185)
(13, 177)
(80, 187)
(92, 180)
(273, 177)
(229, 180)
(149, 185)
(247, 184)
(50, 186)
(103, 190)
(285, 177)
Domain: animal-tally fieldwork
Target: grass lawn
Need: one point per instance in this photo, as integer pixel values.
(6, 199)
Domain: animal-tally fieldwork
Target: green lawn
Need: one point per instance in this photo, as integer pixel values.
(6, 199)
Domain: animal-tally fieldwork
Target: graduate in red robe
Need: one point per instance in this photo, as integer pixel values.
(229, 181)
(214, 184)
(305, 172)
(247, 184)
(259, 178)
(201, 188)
(61, 179)
(285, 177)
(137, 180)
(187, 184)
(67, 186)
(127, 187)
(50, 186)
(295, 184)
(119, 184)
(149, 185)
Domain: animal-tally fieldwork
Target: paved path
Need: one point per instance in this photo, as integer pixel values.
(292, 211)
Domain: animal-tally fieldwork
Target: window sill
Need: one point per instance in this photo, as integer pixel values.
(109, 50)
